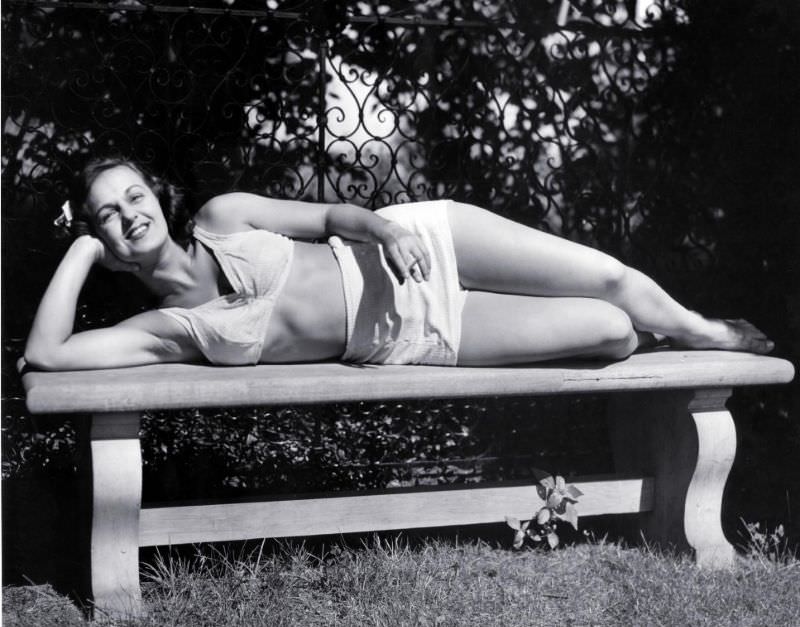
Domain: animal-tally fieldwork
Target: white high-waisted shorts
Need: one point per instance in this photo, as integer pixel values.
(409, 323)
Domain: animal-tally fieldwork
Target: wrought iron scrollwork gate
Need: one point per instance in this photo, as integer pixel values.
(492, 103)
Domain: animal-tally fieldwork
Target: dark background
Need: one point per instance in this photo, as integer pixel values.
(671, 143)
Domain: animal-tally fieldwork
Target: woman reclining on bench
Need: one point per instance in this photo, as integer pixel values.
(435, 282)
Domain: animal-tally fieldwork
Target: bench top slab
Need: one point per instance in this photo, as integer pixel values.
(172, 386)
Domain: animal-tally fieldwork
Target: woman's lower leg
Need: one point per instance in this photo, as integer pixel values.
(650, 307)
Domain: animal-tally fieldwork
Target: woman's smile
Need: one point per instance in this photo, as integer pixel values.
(137, 231)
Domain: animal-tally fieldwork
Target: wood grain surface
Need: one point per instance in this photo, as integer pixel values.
(373, 512)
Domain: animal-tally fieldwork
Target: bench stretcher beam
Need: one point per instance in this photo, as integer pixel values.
(377, 512)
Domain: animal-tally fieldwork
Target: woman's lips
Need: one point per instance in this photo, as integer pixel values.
(138, 231)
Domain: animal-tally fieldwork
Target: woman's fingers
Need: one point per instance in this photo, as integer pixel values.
(419, 266)
(110, 261)
(419, 261)
(128, 267)
(397, 262)
(409, 259)
(118, 265)
(424, 262)
(406, 253)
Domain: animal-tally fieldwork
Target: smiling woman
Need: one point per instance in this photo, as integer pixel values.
(124, 210)
(436, 282)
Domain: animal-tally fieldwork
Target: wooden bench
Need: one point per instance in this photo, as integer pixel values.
(673, 440)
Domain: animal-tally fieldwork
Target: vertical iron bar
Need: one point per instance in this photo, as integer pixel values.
(322, 119)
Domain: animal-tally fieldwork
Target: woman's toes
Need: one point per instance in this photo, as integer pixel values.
(732, 335)
(749, 337)
(754, 345)
(762, 345)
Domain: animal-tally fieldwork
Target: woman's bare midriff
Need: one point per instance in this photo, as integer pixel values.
(308, 322)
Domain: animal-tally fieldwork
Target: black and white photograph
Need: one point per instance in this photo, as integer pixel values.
(376, 312)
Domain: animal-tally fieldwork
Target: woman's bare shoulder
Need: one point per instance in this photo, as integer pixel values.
(222, 214)
(231, 212)
(241, 211)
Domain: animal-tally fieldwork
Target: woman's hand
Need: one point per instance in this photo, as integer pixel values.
(405, 252)
(99, 253)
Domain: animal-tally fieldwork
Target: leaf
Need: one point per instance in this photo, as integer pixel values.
(560, 483)
(544, 484)
(543, 516)
(554, 500)
(548, 483)
(552, 539)
(513, 522)
(519, 538)
(525, 525)
(571, 515)
(541, 491)
(573, 491)
(541, 475)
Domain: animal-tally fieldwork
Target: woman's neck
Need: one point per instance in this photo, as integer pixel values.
(170, 273)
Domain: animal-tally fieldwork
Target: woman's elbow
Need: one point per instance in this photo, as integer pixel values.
(40, 358)
(45, 354)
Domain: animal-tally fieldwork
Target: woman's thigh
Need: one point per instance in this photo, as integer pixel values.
(500, 255)
(508, 329)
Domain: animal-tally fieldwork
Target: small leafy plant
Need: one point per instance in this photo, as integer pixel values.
(559, 500)
(766, 545)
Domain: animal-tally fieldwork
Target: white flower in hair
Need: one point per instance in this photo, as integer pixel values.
(65, 219)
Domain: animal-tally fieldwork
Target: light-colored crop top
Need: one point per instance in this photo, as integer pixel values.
(230, 330)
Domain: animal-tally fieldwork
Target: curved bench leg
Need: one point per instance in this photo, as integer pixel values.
(116, 501)
(703, 514)
(687, 441)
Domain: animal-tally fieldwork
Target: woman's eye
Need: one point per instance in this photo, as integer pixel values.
(105, 216)
(137, 197)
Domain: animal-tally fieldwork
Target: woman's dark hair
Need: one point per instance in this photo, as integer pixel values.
(170, 197)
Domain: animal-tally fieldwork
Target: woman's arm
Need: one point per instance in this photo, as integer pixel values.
(233, 212)
(53, 346)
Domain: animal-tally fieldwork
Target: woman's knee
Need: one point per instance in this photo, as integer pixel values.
(612, 276)
(617, 338)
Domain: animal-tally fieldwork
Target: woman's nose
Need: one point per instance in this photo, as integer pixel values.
(129, 214)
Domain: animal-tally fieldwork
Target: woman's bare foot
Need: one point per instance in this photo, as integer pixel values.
(729, 335)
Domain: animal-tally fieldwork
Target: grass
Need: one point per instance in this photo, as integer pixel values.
(440, 583)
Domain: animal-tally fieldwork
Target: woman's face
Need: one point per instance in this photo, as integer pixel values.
(126, 214)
